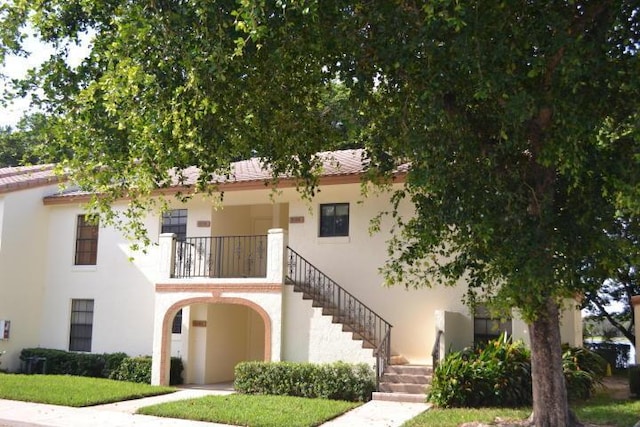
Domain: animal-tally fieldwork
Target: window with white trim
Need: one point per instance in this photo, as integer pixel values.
(86, 241)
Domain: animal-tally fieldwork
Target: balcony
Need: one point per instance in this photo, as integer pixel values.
(224, 257)
(221, 257)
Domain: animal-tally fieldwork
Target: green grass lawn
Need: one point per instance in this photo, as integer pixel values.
(600, 410)
(72, 391)
(253, 410)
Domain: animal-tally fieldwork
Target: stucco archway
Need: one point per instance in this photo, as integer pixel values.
(214, 299)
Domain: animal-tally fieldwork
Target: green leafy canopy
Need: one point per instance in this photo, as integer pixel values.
(520, 120)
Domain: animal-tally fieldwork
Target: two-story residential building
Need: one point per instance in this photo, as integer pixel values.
(262, 275)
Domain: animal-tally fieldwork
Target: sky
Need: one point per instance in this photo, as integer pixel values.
(17, 67)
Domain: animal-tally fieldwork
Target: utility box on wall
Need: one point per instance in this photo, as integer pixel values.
(5, 327)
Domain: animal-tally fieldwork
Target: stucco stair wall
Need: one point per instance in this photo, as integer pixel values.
(347, 321)
(324, 340)
(404, 383)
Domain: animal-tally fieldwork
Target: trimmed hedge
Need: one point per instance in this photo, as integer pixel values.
(109, 365)
(60, 362)
(134, 369)
(337, 381)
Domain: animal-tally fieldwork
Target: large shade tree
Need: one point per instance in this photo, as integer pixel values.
(519, 120)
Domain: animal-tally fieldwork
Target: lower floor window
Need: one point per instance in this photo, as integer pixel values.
(81, 325)
(487, 328)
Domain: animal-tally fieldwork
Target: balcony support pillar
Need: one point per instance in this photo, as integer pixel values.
(277, 241)
(167, 242)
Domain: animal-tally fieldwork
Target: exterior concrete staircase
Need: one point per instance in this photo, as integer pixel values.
(364, 324)
(404, 383)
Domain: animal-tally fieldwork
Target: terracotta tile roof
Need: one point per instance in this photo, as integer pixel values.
(23, 177)
(335, 163)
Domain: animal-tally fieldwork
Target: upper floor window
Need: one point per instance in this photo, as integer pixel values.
(81, 325)
(175, 221)
(334, 219)
(486, 327)
(86, 241)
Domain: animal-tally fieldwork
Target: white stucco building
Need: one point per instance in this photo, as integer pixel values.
(265, 276)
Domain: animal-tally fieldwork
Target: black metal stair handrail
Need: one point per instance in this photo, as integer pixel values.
(349, 310)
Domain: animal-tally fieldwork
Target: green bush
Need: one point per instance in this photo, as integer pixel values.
(338, 381)
(109, 365)
(175, 373)
(583, 371)
(133, 369)
(498, 374)
(60, 362)
(112, 361)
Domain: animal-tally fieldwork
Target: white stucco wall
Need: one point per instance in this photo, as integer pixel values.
(354, 262)
(308, 336)
(23, 243)
(122, 289)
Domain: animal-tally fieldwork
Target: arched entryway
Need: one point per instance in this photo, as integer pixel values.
(218, 332)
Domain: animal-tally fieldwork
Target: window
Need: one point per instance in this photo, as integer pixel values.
(81, 325)
(176, 327)
(86, 241)
(486, 328)
(175, 221)
(334, 219)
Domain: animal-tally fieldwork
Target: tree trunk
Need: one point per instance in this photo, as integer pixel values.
(550, 404)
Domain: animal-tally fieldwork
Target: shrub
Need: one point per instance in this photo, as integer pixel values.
(133, 369)
(338, 381)
(60, 362)
(112, 362)
(583, 371)
(175, 373)
(498, 374)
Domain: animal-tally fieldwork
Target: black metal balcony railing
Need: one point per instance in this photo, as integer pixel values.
(221, 257)
(355, 316)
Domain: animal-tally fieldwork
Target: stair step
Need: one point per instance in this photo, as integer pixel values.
(399, 397)
(403, 388)
(405, 378)
(424, 370)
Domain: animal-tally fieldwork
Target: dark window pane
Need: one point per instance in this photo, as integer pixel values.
(81, 330)
(486, 328)
(86, 241)
(175, 221)
(176, 327)
(334, 219)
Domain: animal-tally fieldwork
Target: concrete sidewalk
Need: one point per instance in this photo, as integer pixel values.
(122, 414)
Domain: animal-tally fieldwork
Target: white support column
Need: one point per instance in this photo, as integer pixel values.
(167, 243)
(635, 306)
(277, 241)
